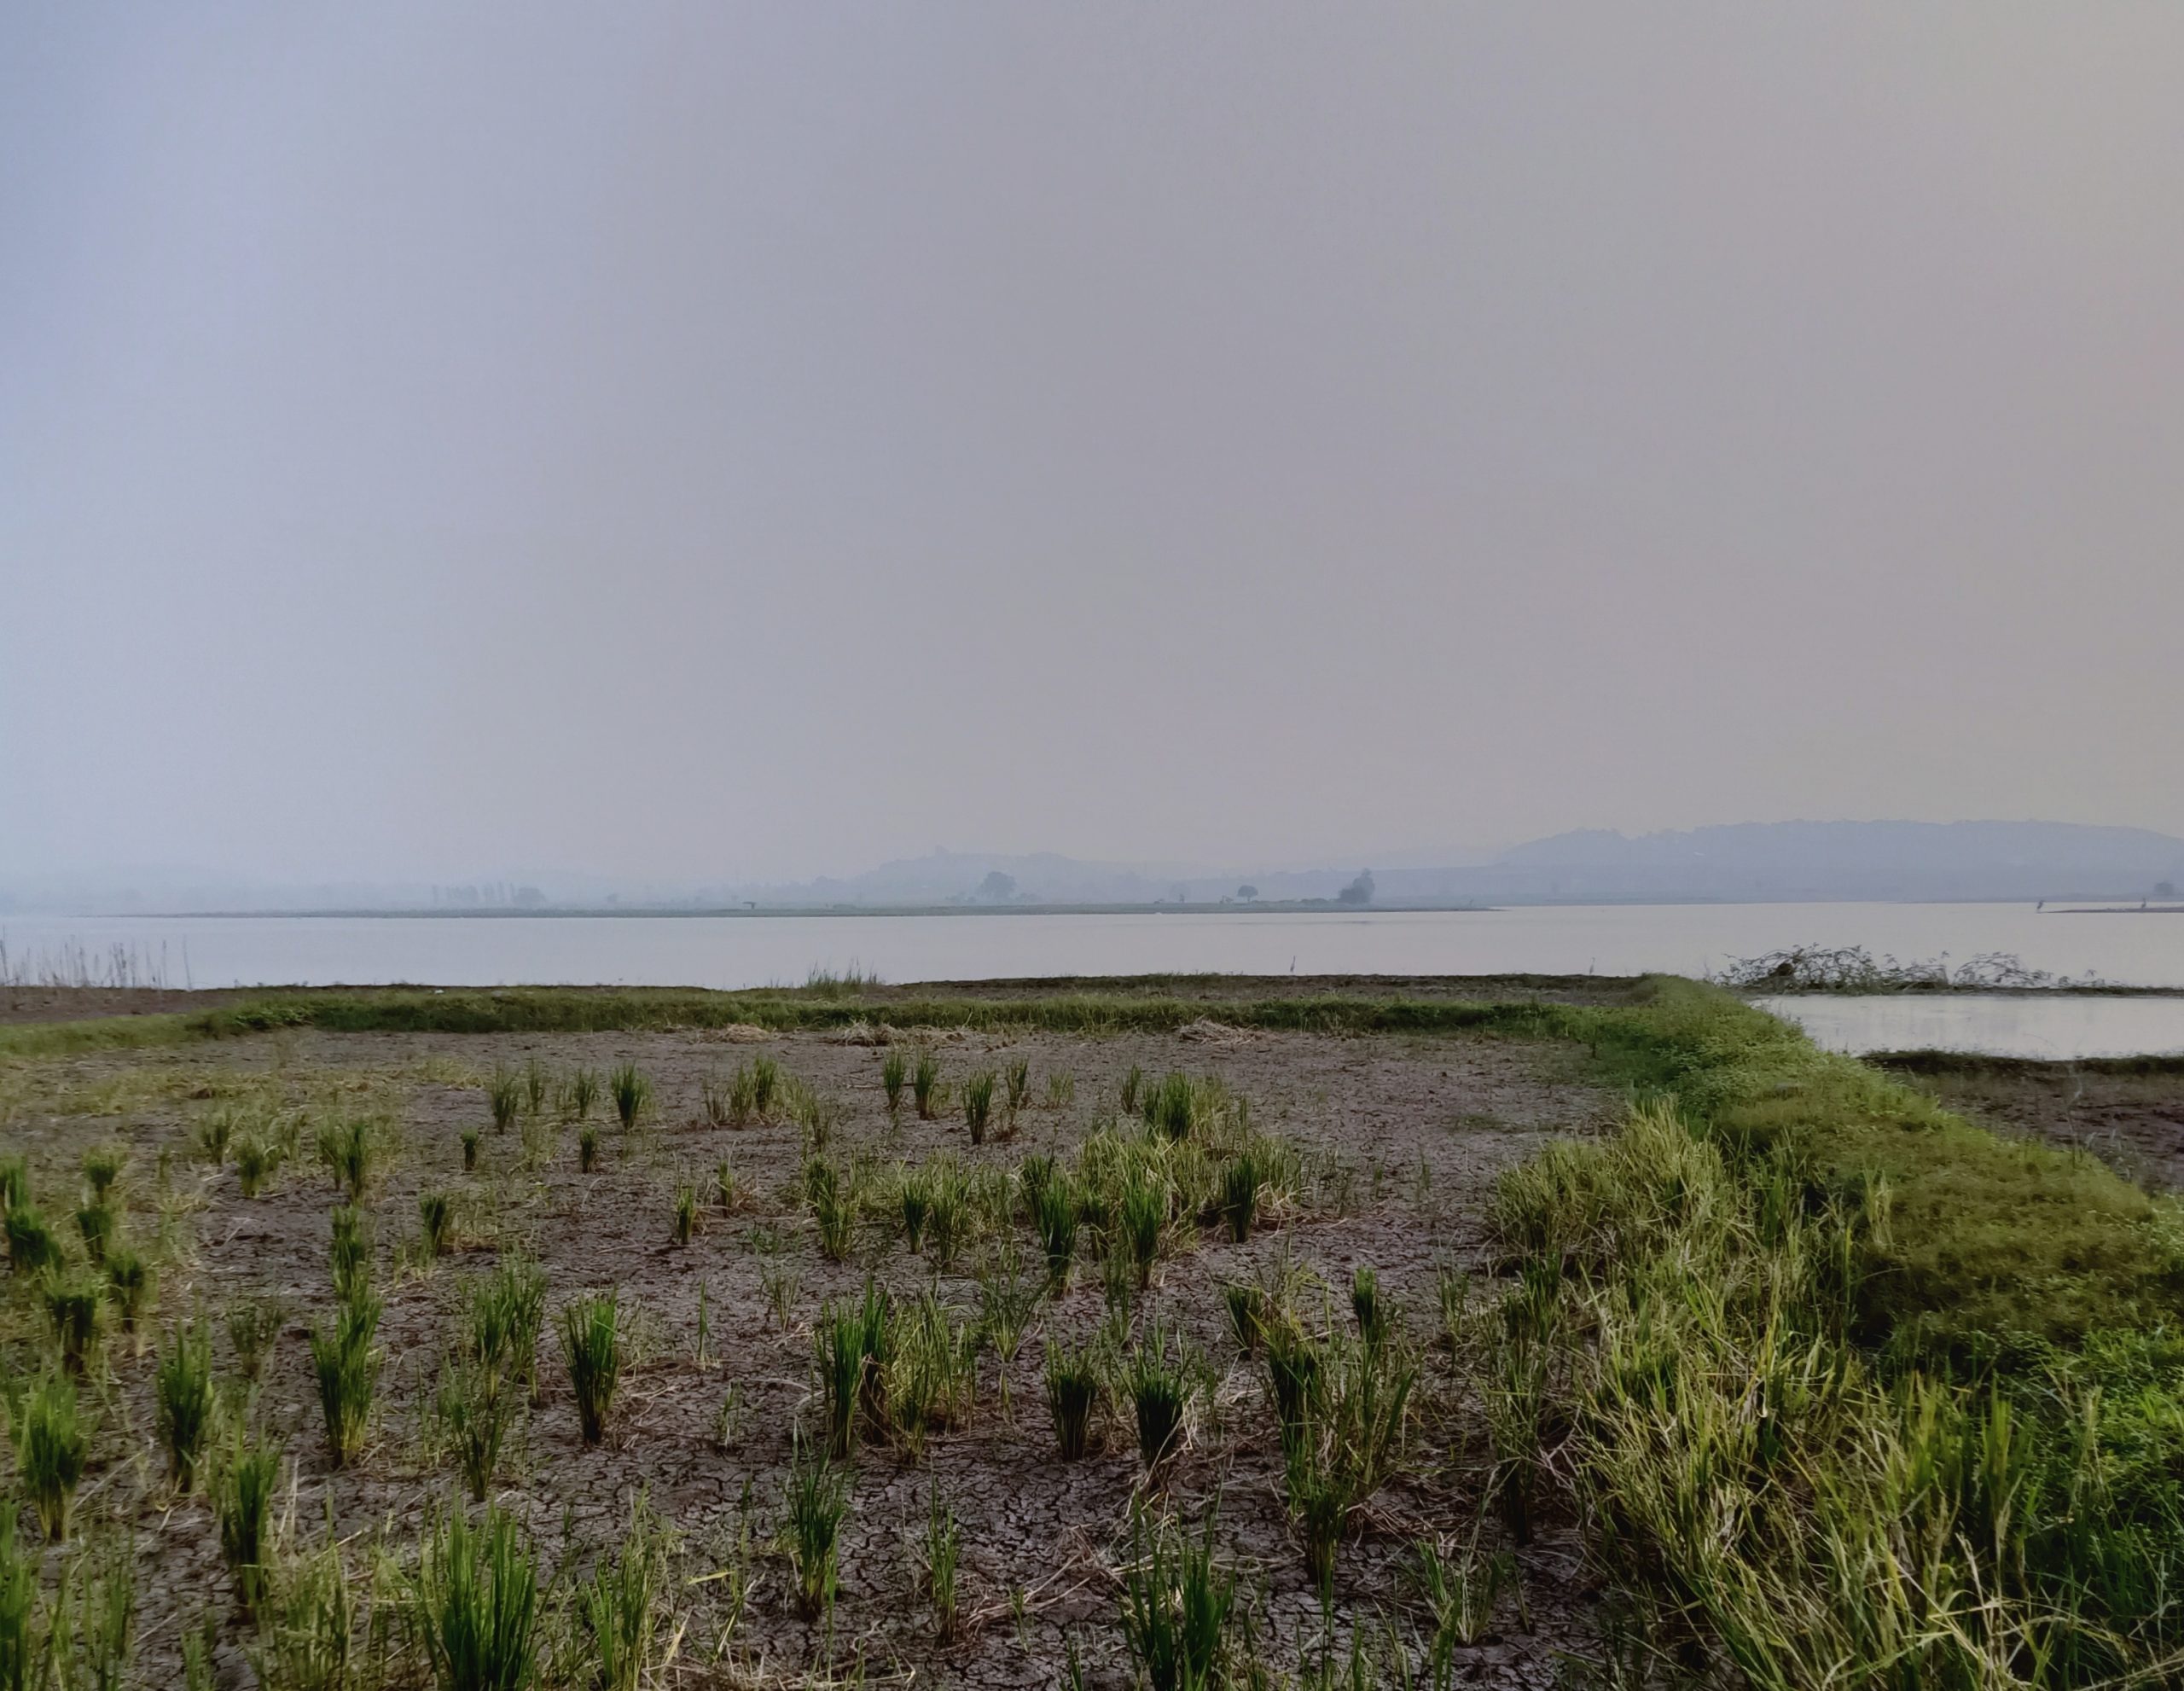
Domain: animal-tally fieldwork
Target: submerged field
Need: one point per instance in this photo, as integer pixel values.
(1185, 1333)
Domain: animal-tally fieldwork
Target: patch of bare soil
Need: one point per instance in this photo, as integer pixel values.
(1421, 1127)
(2135, 1123)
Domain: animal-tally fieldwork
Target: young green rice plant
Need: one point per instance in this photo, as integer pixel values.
(257, 1161)
(52, 1445)
(779, 1283)
(580, 1093)
(1367, 1306)
(1006, 1300)
(252, 1324)
(75, 1304)
(308, 1631)
(1240, 1195)
(943, 1554)
(1161, 1379)
(978, 1104)
(587, 1148)
(351, 1251)
(1175, 1605)
(765, 1084)
(1074, 1388)
(1054, 1214)
(816, 1503)
(934, 1370)
(1019, 1087)
(631, 1093)
(435, 1223)
(1171, 1109)
(1119, 1285)
(948, 1220)
(475, 1603)
(506, 1309)
(214, 1130)
(1133, 1084)
(32, 1248)
(102, 1166)
(716, 1102)
(504, 1098)
(838, 1340)
(101, 1618)
(592, 1344)
(1341, 1441)
(98, 1224)
(183, 1403)
(727, 1189)
(1513, 1392)
(130, 1283)
(355, 1153)
(475, 1412)
(684, 1222)
(916, 1196)
(1460, 1588)
(19, 1589)
(248, 1479)
(925, 1085)
(1061, 1089)
(470, 1150)
(835, 1211)
(619, 1604)
(1247, 1304)
(1143, 1217)
(347, 1370)
(541, 1136)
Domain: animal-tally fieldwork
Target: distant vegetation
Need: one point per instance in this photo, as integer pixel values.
(1852, 968)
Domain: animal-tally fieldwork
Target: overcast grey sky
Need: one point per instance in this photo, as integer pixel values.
(708, 440)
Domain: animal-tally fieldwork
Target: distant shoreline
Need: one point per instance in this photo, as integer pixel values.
(1327, 907)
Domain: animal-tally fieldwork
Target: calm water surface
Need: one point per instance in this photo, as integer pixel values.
(2051, 1026)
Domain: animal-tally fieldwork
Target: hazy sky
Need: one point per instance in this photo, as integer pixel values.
(713, 440)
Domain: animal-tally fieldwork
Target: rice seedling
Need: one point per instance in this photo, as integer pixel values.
(19, 1589)
(1366, 1305)
(1018, 1088)
(1239, 1195)
(130, 1281)
(102, 1166)
(876, 1335)
(504, 1098)
(247, 1480)
(580, 1093)
(817, 1501)
(470, 1150)
(1143, 1217)
(948, 1220)
(536, 1084)
(506, 1309)
(765, 1082)
(355, 1153)
(835, 1212)
(727, 1189)
(183, 1403)
(1006, 1300)
(347, 1370)
(934, 1370)
(893, 1071)
(925, 1085)
(917, 1195)
(631, 1092)
(978, 1104)
(351, 1251)
(1161, 1380)
(1171, 1108)
(943, 1554)
(1119, 1285)
(198, 1645)
(1074, 1388)
(838, 1340)
(475, 1603)
(1342, 1423)
(1054, 1214)
(102, 1617)
(1061, 1089)
(728, 1420)
(1460, 1588)
(1133, 1082)
(716, 1102)
(32, 1248)
(591, 1344)
(308, 1632)
(1247, 1304)
(474, 1413)
(587, 1148)
(685, 1220)
(75, 1305)
(213, 1132)
(619, 1604)
(52, 1446)
(1175, 1605)
(252, 1324)
(97, 1223)
(435, 1215)
(780, 1283)
(257, 1161)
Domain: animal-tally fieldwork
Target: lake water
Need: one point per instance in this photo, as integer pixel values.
(2050, 1026)
(730, 951)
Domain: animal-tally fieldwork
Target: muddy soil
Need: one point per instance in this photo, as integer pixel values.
(2133, 1122)
(1412, 1133)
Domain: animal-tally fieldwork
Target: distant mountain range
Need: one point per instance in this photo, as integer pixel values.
(1746, 863)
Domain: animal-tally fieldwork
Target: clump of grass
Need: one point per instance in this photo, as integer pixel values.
(130, 1283)
(1054, 1214)
(838, 1340)
(257, 1161)
(925, 1085)
(351, 1251)
(1161, 1380)
(1460, 1588)
(435, 1217)
(1368, 1307)
(934, 1369)
(102, 1166)
(948, 1219)
(765, 1082)
(685, 1220)
(469, 1150)
(309, 1632)
(833, 1208)
(475, 1598)
(19, 1584)
(817, 1502)
(98, 1224)
(1132, 1083)
(247, 1481)
(1247, 1304)
(1175, 1605)
(1171, 1109)
(474, 1411)
(183, 1401)
(978, 1104)
(213, 1132)
(580, 1093)
(587, 1148)
(893, 1071)
(1018, 1085)
(917, 1205)
(727, 1189)
(347, 1370)
(631, 1092)
(32, 1248)
(52, 1446)
(591, 1344)
(619, 1604)
(1240, 1195)
(943, 1554)
(504, 1098)
(74, 1304)
(1074, 1389)
(1061, 1089)
(252, 1324)
(716, 1102)
(1342, 1409)
(506, 1309)
(1143, 1217)
(355, 1153)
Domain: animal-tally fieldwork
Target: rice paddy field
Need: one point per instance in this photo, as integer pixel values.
(1172, 1332)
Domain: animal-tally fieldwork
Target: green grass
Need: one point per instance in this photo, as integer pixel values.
(504, 1095)
(183, 1403)
(505, 1311)
(475, 1599)
(591, 1346)
(32, 1245)
(1074, 1388)
(943, 1554)
(1177, 1602)
(130, 1284)
(978, 1104)
(580, 1093)
(346, 1367)
(892, 1072)
(52, 1449)
(816, 1505)
(435, 1223)
(75, 1308)
(925, 1085)
(619, 1604)
(355, 1153)
(248, 1479)
(683, 1222)
(1160, 1380)
(474, 1408)
(631, 1092)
